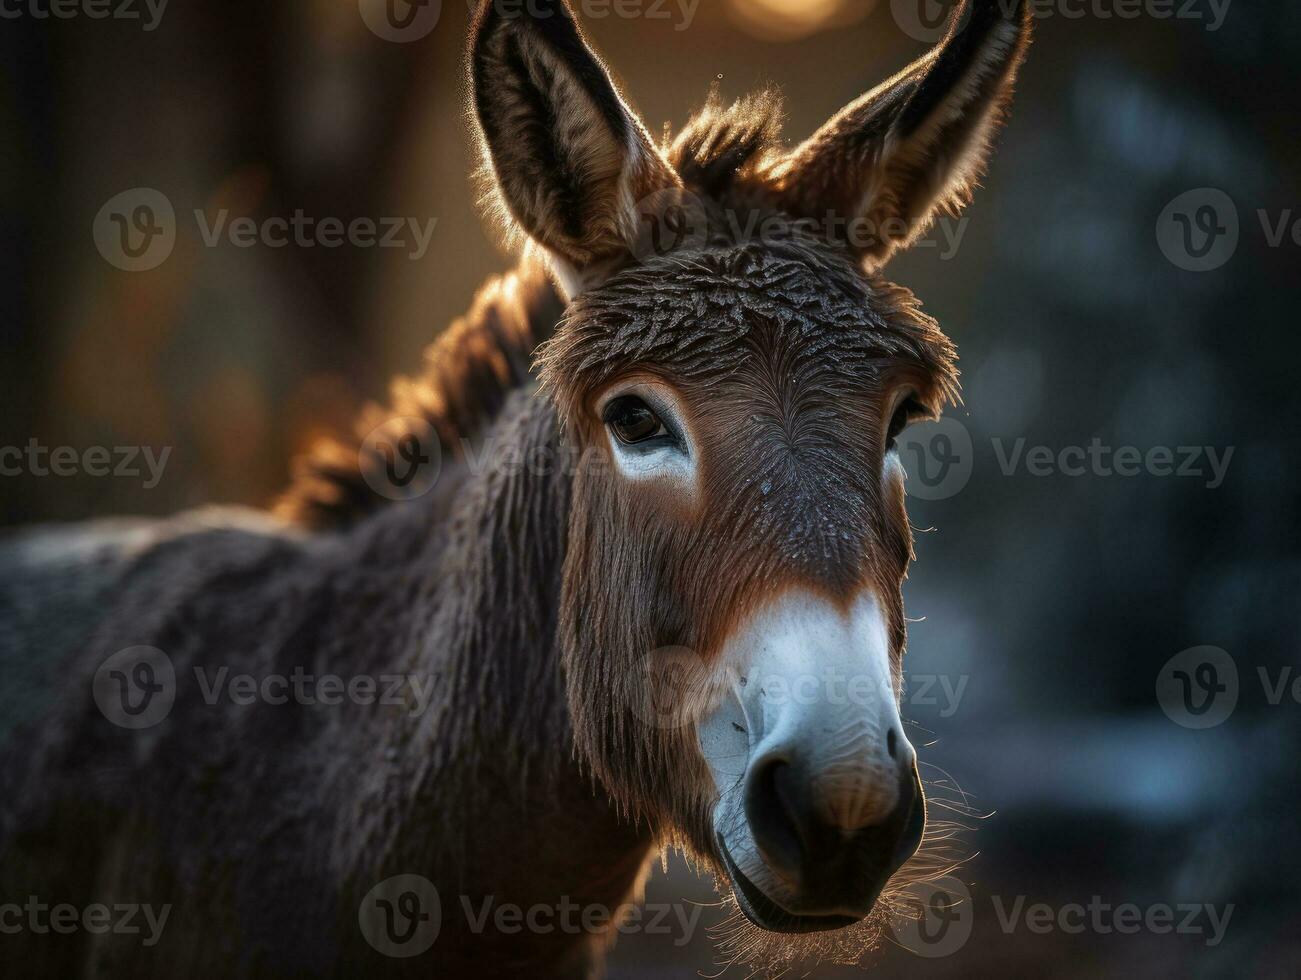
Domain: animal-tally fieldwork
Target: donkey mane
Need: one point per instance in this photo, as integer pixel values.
(721, 144)
(470, 370)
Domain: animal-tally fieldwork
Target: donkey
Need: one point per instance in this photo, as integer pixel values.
(558, 606)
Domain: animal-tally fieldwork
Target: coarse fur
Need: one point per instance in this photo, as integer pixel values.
(520, 599)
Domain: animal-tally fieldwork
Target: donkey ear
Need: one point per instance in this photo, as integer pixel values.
(570, 158)
(915, 145)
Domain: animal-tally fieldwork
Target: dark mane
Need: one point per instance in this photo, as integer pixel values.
(722, 143)
(469, 372)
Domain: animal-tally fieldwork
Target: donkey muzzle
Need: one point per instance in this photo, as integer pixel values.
(819, 798)
(831, 871)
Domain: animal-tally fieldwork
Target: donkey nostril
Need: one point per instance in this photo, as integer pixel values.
(892, 743)
(773, 816)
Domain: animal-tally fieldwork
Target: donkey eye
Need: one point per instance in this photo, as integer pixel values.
(633, 421)
(907, 408)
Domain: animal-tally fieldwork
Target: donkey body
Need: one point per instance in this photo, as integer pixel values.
(496, 631)
(262, 825)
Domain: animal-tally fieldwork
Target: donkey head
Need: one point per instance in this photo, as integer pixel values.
(737, 520)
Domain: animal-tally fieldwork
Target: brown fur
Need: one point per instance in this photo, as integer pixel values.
(535, 594)
(470, 371)
(786, 355)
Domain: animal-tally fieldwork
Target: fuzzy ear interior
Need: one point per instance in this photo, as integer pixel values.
(570, 159)
(915, 146)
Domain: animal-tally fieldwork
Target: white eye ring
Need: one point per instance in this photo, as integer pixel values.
(674, 461)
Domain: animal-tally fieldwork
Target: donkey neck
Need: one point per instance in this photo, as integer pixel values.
(494, 801)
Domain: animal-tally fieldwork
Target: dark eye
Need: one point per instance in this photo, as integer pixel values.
(907, 408)
(633, 421)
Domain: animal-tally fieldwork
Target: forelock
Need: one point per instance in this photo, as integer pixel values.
(692, 313)
(725, 145)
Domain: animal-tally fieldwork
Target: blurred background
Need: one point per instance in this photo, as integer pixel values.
(1051, 605)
